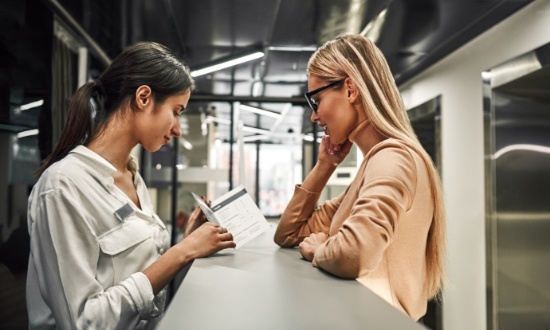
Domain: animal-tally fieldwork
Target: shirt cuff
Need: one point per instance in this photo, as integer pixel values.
(141, 291)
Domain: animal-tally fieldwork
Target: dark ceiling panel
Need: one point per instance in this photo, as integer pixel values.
(419, 33)
(211, 29)
(294, 25)
(415, 35)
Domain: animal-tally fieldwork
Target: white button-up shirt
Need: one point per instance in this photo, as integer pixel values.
(89, 246)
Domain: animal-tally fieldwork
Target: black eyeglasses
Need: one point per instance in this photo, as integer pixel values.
(312, 103)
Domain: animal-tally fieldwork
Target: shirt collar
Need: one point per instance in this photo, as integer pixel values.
(103, 172)
(102, 169)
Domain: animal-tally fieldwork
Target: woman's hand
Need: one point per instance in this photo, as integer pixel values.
(333, 154)
(196, 219)
(207, 239)
(310, 244)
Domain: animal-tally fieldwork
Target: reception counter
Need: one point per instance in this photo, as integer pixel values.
(261, 286)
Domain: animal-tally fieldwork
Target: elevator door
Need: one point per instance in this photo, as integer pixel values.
(518, 178)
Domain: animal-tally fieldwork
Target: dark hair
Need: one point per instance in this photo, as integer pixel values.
(144, 63)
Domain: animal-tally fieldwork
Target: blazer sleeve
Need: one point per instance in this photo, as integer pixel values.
(301, 217)
(385, 192)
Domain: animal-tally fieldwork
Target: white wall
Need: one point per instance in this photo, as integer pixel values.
(458, 79)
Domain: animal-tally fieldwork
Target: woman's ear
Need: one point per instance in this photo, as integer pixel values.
(351, 89)
(144, 96)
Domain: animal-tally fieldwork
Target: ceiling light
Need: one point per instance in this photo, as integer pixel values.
(292, 48)
(255, 130)
(245, 128)
(525, 147)
(309, 138)
(260, 111)
(31, 105)
(227, 62)
(257, 137)
(185, 143)
(218, 120)
(26, 133)
(374, 28)
(285, 111)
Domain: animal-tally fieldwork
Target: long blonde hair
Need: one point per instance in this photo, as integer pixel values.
(356, 57)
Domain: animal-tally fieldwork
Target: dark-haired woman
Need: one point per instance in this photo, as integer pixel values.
(100, 256)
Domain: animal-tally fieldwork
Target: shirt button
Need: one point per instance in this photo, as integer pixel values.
(161, 250)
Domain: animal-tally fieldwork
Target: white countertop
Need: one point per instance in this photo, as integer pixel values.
(262, 286)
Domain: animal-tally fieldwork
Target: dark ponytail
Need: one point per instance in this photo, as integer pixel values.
(78, 126)
(145, 63)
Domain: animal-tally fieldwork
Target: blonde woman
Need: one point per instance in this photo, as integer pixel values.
(387, 229)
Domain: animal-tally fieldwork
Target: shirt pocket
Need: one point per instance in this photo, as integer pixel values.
(124, 237)
(126, 249)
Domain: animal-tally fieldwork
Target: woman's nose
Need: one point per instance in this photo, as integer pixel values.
(176, 130)
(314, 116)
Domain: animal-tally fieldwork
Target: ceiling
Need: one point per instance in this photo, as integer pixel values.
(413, 34)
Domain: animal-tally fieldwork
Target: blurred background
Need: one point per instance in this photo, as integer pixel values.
(473, 74)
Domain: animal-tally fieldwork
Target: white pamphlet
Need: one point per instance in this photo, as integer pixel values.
(237, 212)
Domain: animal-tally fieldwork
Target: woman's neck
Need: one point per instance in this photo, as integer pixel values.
(365, 136)
(114, 144)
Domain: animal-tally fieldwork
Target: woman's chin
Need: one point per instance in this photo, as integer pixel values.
(336, 142)
(150, 148)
